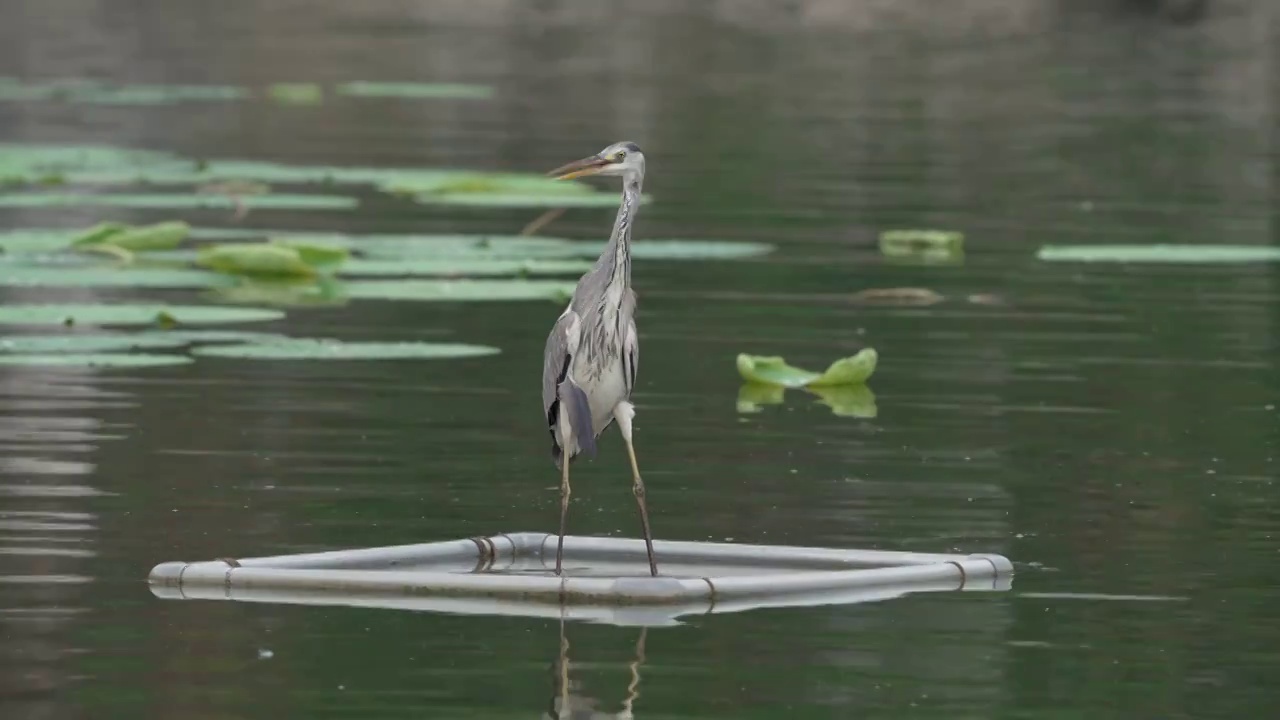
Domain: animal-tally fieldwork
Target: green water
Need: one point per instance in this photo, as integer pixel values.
(1114, 430)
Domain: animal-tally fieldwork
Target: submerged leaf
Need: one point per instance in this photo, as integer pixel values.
(95, 360)
(1160, 253)
(129, 314)
(753, 395)
(262, 259)
(847, 400)
(775, 370)
(324, 349)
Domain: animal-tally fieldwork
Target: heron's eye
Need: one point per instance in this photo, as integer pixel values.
(622, 155)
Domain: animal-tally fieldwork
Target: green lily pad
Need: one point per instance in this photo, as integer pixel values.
(459, 290)
(774, 370)
(460, 267)
(86, 343)
(1160, 253)
(177, 201)
(322, 349)
(905, 242)
(160, 236)
(34, 241)
(282, 294)
(411, 90)
(439, 247)
(296, 93)
(130, 314)
(188, 337)
(106, 276)
(672, 249)
(255, 259)
(523, 200)
(77, 90)
(315, 253)
(95, 360)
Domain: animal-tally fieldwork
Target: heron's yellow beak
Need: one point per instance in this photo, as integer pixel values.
(580, 168)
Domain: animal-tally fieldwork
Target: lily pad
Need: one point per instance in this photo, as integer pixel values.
(904, 242)
(130, 314)
(187, 337)
(106, 276)
(468, 267)
(160, 236)
(315, 253)
(178, 201)
(296, 93)
(86, 342)
(672, 249)
(282, 293)
(1160, 253)
(459, 290)
(523, 200)
(322, 349)
(95, 360)
(411, 90)
(255, 259)
(774, 370)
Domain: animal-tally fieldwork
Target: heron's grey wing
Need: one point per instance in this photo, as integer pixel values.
(559, 392)
(630, 343)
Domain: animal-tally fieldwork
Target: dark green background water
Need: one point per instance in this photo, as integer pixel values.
(1113, 430)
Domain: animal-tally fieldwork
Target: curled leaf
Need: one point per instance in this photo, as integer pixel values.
(775, 371)
(255, 259)
(313, 253)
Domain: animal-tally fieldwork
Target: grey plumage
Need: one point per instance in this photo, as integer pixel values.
(592, 355)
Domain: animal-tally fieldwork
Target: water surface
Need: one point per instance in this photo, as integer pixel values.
(1111, 429)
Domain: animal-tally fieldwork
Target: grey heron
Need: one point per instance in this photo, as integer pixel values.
(590, 361)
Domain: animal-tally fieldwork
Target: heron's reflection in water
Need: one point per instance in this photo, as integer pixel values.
(566, 704)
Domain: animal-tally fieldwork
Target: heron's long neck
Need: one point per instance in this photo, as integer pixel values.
(617, 256)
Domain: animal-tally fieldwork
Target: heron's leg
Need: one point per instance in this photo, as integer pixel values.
(564, 508)
(623, 414)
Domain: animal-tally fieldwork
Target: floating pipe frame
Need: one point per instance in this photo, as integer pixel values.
(510, 574)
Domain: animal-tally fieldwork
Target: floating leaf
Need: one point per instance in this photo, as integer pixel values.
(161, 236)
(283, 294)
(898, 296)
(459, 267)
(255, 259)
(33, 241)
(178, 201)
(458, 290)
(315, 253)
(691, 249)
(905, 242)
(297, 93)
(106, 276)
(186, 337)
(108, 250)
(86, 343)
(323, 349)
(523, 200)
(410, 90)
(1160, 253)
(98, 234)
(95, 360)
(775, 370)
(129, 314)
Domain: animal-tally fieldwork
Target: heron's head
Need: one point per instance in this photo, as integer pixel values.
(621, 158)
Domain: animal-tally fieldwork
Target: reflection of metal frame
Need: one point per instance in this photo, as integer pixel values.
(606, 579)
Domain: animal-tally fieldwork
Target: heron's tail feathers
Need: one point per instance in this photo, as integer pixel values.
(573, 401)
